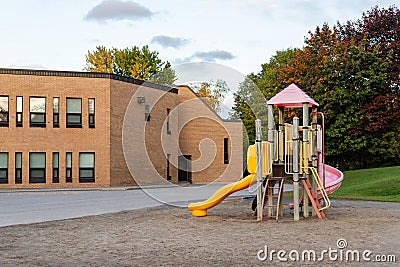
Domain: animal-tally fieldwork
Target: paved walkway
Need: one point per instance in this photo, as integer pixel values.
(27, 207)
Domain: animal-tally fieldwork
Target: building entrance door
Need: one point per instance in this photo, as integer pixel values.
(184, 173)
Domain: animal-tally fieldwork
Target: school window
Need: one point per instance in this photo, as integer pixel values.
(37, 108)
(68, 167)
(56, 177)
(37, 167)
(226, 152)
(56, 114)
(4, 111)
(3, 168)
(168, 167)
(74, 113)
(168, 129)
(18, 167)
(86, 168)
(19, 111)
(147, 113)
(91, 112)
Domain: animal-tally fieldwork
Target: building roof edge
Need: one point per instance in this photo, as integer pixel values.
(82, 74)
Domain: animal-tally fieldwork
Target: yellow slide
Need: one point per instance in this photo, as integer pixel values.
(199, 209)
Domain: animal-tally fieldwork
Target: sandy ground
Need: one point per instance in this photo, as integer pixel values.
(228, 236)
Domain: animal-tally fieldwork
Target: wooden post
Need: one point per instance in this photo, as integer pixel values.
(296, 213)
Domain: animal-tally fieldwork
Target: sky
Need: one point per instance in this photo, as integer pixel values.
(239, 34)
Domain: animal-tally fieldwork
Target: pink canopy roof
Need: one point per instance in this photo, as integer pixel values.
(291, 97)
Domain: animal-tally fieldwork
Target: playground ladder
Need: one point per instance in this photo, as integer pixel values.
(278, 196)
(321, 188)
(312, 197)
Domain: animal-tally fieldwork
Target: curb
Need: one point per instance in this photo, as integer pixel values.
(84, 189)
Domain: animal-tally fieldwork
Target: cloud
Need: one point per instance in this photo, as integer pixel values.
(29, 67)
(118, 10)
(167, 41)
(265, 6)
(210, 56)
(213, 55)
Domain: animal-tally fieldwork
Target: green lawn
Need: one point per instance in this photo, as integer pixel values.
(381, 184)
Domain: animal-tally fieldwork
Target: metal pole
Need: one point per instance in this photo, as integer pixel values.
(305, 141)
(271, 127)
(314, 139)
(323, 145)
(271, 141)
(296, 212)
(280, 136)
(259, 170)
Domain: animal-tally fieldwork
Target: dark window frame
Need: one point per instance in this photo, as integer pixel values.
(147, 116)
(5, 180)
(44, 178)
(68, 114)
(19, 118)
(91, 115)
(92, 169)
(37, 124)
(56, 115)
(68, 170)
(18, 170)
(169, 167)
(226, 150)
(168, 129)
(56, 170)
(6, 113)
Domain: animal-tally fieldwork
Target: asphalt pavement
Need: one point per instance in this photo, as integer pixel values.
(26, 207)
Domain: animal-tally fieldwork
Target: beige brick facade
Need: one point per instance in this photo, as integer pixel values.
(128, 149)
(202, 136)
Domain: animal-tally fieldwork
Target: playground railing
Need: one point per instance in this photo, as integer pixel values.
(266, 147)
(288, 148)
(276, 148)
(320, 186)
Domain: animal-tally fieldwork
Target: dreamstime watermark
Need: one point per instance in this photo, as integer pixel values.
(339, 254)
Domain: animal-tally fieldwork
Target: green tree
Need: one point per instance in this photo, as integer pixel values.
(267, 78)
(134, 62)
(213, 93)
(249, 105)
(167, 76)
(343, 77)
(380, 29)
(352, 71)
(250, 99)
(100, 60)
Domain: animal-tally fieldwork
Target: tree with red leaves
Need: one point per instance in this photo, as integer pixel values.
(352, 71)
(380, 29)
(343, 77)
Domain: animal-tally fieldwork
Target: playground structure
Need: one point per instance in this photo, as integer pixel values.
(294, 154)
